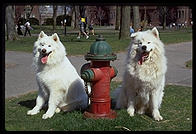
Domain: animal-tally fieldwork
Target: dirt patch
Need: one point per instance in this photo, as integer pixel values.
(10, 65)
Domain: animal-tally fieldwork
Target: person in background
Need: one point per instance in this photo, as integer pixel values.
(90, 27)
(82, 28)
(19, 28)
(131, 30)
(27, 28)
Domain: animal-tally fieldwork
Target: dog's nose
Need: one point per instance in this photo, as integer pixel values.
(43, 50)
(144, 47)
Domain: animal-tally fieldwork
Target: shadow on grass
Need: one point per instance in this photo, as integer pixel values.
(28, 103)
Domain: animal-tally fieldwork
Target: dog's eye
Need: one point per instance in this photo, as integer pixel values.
(42, 44)
(149, 42)
(49, 45)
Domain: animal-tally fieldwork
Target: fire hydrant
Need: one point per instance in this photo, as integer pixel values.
(99, 74)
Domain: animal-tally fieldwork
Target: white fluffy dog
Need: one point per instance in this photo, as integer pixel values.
(144, 76)
(58, 81)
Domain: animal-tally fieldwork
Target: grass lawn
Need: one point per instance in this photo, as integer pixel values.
(81, 46)
(176, 110)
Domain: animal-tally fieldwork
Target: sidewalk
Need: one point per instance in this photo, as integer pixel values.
(20, 77)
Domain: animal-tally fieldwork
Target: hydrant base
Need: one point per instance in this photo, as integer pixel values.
(111, 115)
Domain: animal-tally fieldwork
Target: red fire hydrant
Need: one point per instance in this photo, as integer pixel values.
(99, 74)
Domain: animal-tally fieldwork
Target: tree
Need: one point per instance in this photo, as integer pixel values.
(117, 24)
(28, 10)
(100, 14)
(163, 10)
(82, 10)
(54, 16)
(10, 25)
(73, 18)
(164, 17)
(136, 18)
(125, 22)
(77, 12)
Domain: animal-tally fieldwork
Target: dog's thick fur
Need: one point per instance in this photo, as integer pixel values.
(59, 83)
(144, 76)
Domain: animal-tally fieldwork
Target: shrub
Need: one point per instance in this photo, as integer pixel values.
(34, 21)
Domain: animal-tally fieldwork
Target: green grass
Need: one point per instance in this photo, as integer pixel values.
(189, 64)
(176, 110)
(81, 46)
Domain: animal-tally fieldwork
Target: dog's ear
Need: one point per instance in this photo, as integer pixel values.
(55, 37)
(155, 32)
(41, 35)
(133, 35)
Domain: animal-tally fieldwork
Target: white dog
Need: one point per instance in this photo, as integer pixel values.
(144, 76)
(58, 81)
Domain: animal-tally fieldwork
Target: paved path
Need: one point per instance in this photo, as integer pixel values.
(20, 77)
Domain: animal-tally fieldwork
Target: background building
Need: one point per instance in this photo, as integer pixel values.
(106, 15)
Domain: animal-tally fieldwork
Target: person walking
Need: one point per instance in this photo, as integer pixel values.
(90, 27)
(82, 28)
(19, 28)
(27, 28)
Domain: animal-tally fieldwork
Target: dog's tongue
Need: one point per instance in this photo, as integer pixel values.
(44, 59)
(141, 60)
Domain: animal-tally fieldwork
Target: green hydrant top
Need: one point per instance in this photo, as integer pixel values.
(100, 50)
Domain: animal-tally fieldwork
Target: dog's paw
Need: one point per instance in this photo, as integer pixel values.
(46, 116)
(141, 111)
(130, 111)
(156, 115)
(32, 112)
(57, 110)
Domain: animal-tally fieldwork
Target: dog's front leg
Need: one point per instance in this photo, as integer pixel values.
(130, 105)
(39, 104)
(155, 106)
(53, 102)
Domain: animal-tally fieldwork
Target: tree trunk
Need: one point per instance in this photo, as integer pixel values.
(117, 24)
(145, 17)
(73, 18)
(82, 11)
(136, 18)
(164, 17)
(54, 16)
(10, 25)
(125, 22)
(40, 17)
(77, 16)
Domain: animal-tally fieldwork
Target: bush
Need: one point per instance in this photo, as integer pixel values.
(61, 18)
(48, 21)
(34, 21)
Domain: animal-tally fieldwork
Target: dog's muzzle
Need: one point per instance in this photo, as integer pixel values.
(45, 55)
(144, 55)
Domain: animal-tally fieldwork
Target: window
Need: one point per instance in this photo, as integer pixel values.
(182, 14)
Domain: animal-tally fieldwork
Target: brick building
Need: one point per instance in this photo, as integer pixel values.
(106, 15)
(178, 14)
